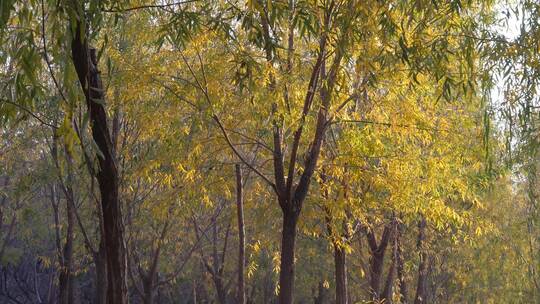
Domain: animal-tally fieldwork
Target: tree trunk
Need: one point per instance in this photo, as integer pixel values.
(150, 278)
(422, 267)
(220, 289)
(65, 279)
(376, 268)
(241, 292)
(100, 261)
(340, 264)
(376, 262)
(149, 289)
(85, 61)
(194, 292)
(403, 293)
(268, 285)
(286, 274)
(389, 284)
(321, 294)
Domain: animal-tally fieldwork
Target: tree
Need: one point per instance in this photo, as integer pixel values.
(368, 123)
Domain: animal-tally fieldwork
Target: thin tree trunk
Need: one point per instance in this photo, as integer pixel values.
(194, 292)
(216, 268)
(268, 282)
(321, 294)
(150, 277)
(423, 265)
(85, 62)
(219, 265)
(288, 242)
(5, 236)
(149, 289)
(99, 255)
(340, 264)
(220, 289)
(336, 238)
(532, 211)
(66, 280)
(389, 284)
(403, 292)
(241, 292)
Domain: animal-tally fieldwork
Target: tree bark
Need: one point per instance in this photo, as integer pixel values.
(221, 291)
(241, 292)
(376, 268)
(376, 263)
(403, 292)
(65, 279)
(216, 268)
(150, 277)
(85, 62)
(149, 289)
(340, 264)
(422, 266)
(321, 294)
(100, 262)
(288, 242)
(5, 236)
(389, 284)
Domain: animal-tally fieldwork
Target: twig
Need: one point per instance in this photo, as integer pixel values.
(149, 6)
(29, 112)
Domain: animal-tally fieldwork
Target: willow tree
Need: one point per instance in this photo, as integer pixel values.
(516, 67)
(74, 17)
(291, 66)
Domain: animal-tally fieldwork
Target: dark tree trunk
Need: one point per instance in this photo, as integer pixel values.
(149, 289)
(241, 292)
(65, 279)
(194, 287)
(340, 264)
(268, 285)
(221, 291)
(150, 277)
(288, 242)
(85, 61)
(376, 262)
(100, 261)
(403, 292)
(376, 269)
(322, 294)
(389, 284)
(217, 265)
(423, 264)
